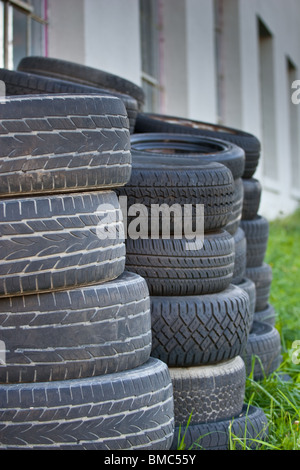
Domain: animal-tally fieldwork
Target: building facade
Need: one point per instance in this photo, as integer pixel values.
(231, 62)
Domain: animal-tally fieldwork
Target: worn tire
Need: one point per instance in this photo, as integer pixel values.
(182, 181)
(189, 331)
(264, 348)
(170, 269)
(262, 278)
(53, 242)
(74, 72)
(63, 143)
(204, 149)
(208, 393)
(23, 83)
(251, 426)
(131, 410)
(252, 197)
(147, 122)
(257, 235)
(267, 315)
(76, 333)
(240, 257)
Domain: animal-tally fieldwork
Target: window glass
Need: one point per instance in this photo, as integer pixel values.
(20, 36)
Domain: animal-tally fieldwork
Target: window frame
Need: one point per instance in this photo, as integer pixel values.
(28, 10)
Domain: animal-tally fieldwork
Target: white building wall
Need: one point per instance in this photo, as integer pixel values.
(106, 34)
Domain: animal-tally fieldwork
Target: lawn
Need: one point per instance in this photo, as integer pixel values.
(278, 397)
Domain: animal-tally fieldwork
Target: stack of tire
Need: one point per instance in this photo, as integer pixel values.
(200, 320)
(75, 326)
(263, 352)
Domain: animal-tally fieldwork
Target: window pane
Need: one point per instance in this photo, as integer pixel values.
(20, 39)
(38, 8)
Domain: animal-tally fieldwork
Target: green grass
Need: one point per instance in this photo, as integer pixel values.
(277, 397)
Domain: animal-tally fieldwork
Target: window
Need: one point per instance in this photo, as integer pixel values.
(292, 75)
(23, 30)
(268, 112)
(150, 40)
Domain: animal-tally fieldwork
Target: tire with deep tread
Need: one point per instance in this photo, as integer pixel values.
(130, 410)
(189, 331)
(208, 393)
(151, 123)
(181, 181)
(22, 83)
(264, 348)
(249, 286)
(66, 70)
(63, 143)
(252, 196)
(58, 242)
(251, 424)
(76, 333)
(257, 235)
(170, 268)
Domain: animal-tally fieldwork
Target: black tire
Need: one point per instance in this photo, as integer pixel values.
(169, 268)
(208, 393)
(76, 333)
(202, 148)
(189, 331)
(252, 196)
(249, 286)
(236, 213)
(267, 315)
(22, 83)
(63, 143)
(262, 278)
(257, 235)
(181, 181)
(131, 410)
(250, 426)
(147, 122)
(240, 257)
(55, 242)
(66, 70)
(262, 355)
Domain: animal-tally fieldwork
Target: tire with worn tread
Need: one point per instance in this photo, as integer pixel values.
(151, 123)
(22, 83)
(257, 235)
(264, 349)
(208, 393)
(251, 425)
(66, 70)
(252, 196)
(170, 268)
(240, 257)
(130, 410)
(267, 315)
(236, 213)
(63, 143)
(58, 242)
(160, 180)
(195, 330)
(76, 333)
(262, 278)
